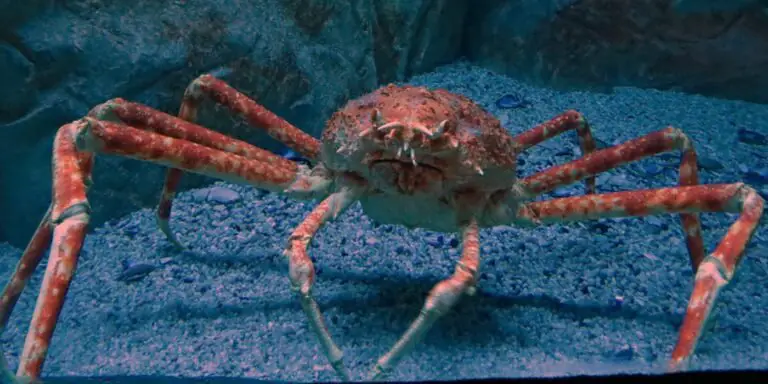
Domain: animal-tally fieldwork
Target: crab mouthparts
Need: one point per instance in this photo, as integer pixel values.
(396, 176)
(405, 165)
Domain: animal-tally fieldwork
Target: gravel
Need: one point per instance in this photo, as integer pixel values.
(586, 298)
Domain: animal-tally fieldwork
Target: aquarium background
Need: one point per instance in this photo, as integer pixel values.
(597, 297)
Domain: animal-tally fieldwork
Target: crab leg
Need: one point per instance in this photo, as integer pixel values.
(714, 271)
(302, 271)
(155, 121)
(252, 112)
(33, 253)
(664, 140)
(70, 210)
(26, 266)
(441, 299)
(255, 114)
(69, 214)
(562, 123)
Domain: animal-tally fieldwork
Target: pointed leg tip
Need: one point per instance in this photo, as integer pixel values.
(377, 373)
(165, 228)
(343, 375)
(7, 377)
(677, 365)
(341, 370)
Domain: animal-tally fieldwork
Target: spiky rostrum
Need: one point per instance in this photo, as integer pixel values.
(412, 156)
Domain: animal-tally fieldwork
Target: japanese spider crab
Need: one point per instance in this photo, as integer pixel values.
(443, 161)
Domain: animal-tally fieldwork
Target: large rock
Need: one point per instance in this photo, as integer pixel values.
(692, 46)
(300, 58)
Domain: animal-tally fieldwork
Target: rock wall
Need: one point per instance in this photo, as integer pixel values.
(716, 48)
(300, 58)
(304, 58)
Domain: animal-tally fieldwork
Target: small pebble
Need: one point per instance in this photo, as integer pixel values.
(651, 169)
(434, 241)
(756, 177)
(650, 256)
(135, 272)
(562, 192)
(709, 163)
(222, 195)
(511, 100)
(200, 195)
(626, 353)
(751, 137)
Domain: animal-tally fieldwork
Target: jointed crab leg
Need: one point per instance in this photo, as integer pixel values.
(560, 124)
(70, 214)
(70, 210)
(714, 272)
(155, 121)
(255, 114)
(302, 271)
(26, 266)
(252, 112)
(664, 140)
(441, 299)
(33, 253)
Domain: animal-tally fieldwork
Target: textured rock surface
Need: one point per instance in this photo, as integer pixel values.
(300, 58)
(644, 43)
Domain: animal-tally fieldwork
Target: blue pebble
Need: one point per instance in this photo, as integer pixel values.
(434, 241)
(751, 137)
(512, 100)
(708, 163)
(756, 176)
(134, 272)
(652, 169)
(222, 195)
(199, 195)
(626, 353)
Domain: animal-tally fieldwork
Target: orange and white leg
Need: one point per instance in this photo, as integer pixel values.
(206, 85)
(713, 272)
(302, 271)
(69, 214)
(566, 121)
(26, 266)
(665, 140)
(31, 258)
(441, 299)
